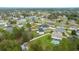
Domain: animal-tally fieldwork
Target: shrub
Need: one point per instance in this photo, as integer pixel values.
(9, 45)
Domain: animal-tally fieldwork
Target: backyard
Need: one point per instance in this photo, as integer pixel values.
(44, 44)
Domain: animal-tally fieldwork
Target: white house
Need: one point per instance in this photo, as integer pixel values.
(60, 29)
(2, 23)
(21, 21)
(20, 25)
(56, 37)
(77, 32)
(73, 28)
(9, 28)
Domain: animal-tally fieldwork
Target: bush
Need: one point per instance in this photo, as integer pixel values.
(9, 45)
(67, 45)
(73, 32)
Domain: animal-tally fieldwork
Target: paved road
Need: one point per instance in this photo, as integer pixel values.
(24, 46)
(39, 36)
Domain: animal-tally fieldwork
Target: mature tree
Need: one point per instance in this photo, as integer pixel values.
(27, 36)
(9, 45)
(17, 32)
(73, 32)
(28, 25)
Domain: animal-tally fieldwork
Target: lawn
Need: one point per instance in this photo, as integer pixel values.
(44, 44)
(41, 44)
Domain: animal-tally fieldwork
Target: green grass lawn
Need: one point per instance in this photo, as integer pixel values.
(44, 44)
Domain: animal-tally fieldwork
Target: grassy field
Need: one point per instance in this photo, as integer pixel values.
(44, 44)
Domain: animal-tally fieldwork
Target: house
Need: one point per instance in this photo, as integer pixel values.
(9, 28)
(15, 18)
(60, 29)
(22, 17)
(0, 17)
(64, 16)
(32, 17)
(77, 32)
(51, 28)
(56, 37)
(2, 23)
(44, 26)
(73, 28)
(21, 21)
(40, 31)
(72, 22)
(20, 25)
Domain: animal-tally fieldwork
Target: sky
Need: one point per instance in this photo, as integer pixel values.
(39, 3)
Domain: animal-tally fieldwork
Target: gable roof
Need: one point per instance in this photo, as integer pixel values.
(57, 35)
(59, 29)
(41, 30)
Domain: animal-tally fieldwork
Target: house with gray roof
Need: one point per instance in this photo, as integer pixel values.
(40, 31)
(73, 28)
(56, 37)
